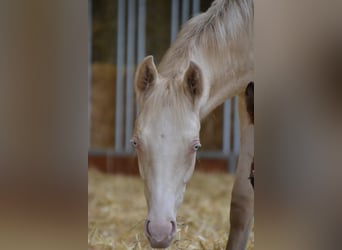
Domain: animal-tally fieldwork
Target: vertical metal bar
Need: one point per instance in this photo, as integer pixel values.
(130, 72)
(89, 68)
(141, 30)
(174, 19)
(195, 7)
(185, 10)
(226, 127)
(119, 74)
(236, 126)
(236, 138)
(141, 35)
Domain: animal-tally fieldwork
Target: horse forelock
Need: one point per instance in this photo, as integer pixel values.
(168, 96)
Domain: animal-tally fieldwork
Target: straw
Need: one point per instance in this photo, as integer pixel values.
(117, 211)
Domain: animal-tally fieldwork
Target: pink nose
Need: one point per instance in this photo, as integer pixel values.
(160, 232)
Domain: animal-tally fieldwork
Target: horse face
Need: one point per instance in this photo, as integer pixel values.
(166, 155)
(166, 138)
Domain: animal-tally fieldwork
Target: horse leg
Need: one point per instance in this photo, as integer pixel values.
(242, 202)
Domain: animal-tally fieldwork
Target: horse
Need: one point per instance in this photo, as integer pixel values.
(211, 60)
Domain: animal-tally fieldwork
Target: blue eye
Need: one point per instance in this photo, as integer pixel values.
(197, 146)
(134, 143)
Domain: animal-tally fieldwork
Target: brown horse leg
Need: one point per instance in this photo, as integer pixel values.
(242, 203)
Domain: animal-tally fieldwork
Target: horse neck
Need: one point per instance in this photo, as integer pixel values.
(226, 72)
(219, 41)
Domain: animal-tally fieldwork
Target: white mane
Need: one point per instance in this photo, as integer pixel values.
(220, 42)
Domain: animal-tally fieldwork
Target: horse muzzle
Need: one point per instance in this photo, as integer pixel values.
(160, 233)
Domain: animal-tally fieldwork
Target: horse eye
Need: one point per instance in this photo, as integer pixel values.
(197, 146)
(134, 143)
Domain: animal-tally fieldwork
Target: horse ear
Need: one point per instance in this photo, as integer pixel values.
(145, 77)
(194, 81)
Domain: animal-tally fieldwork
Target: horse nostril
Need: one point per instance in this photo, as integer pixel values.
(147, 229)
(173, 231)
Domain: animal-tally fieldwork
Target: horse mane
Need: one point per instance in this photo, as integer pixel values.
(224, 23)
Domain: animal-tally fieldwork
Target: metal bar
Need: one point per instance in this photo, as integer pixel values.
(89, 68)
(130, 71)
(141, 35)
(233, 159)
(107, 152)
(201, 154)
(236, 126)
(195, 7)
(185, 10)
(226, 127)
(212, 154)
(174, 19)
(141, 30)
(119, 74)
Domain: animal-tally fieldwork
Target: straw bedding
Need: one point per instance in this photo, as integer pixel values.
(116, 212)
